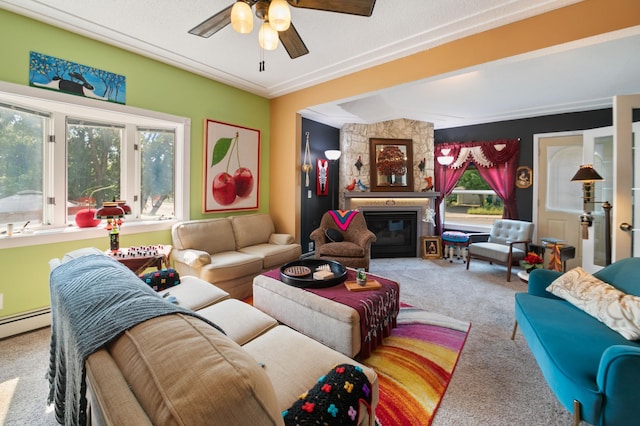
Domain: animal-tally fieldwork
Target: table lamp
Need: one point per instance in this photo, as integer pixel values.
(113, 212)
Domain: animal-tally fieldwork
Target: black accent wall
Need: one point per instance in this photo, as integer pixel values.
(321, 138)
(525, 129)
(324, 137)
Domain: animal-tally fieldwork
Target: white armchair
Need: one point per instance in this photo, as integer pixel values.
(507, 244)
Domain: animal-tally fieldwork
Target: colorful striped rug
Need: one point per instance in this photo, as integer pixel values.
(415, 365)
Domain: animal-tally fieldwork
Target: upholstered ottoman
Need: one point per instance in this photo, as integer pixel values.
(333, 324)
(455, 242)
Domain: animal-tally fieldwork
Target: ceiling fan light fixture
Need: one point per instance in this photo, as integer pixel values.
(279, 15)
(268, 37)
(241, 17)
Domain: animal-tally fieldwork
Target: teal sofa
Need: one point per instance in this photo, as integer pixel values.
(592, 369)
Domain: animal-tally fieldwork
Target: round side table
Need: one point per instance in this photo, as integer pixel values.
(524, 276)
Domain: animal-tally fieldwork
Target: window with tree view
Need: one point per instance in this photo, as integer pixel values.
(93, 164)
(472, 203)
(157, 189)
(22, 140)
(60, 158)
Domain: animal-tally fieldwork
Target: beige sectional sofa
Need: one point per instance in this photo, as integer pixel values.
(177, 369)
(229, 252)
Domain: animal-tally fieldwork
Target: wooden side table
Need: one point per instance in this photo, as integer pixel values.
(555, 264)
(560, 253)
(138, 259)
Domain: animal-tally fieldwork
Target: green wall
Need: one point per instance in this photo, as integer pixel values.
(151, 85)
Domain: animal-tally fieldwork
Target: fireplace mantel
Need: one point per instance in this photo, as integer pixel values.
(388, 195)
(390, 199)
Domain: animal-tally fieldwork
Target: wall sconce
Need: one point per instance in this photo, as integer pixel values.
(445, 159)
(332, 155)
(587, 175)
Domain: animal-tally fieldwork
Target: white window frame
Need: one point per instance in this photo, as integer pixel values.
(61, 105)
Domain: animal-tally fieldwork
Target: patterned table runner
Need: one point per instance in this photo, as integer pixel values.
(378, 309)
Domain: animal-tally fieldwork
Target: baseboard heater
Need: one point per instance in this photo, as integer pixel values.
(26, 321)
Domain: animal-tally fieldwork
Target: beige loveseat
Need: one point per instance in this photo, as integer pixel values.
(177, 369)
(229, 252)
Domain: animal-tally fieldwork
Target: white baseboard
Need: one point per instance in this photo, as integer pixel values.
(27, 321)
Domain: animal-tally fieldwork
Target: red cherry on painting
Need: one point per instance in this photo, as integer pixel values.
(244, 181)
(224, 189)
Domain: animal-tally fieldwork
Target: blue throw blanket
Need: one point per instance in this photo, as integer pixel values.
(93, 300)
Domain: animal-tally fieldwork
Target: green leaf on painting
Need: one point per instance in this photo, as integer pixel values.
(220, 150)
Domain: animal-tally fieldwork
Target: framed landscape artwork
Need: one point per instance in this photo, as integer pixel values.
(231, 167)
(49, 72)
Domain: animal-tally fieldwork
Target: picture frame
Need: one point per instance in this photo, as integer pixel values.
(391, 164)
(231, 167)
(60, 75)
(524, 177)
(431, 247)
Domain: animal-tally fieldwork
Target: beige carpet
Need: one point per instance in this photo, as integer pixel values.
(496, 381)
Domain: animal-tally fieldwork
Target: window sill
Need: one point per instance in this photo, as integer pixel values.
(466, 227)
(73, 233)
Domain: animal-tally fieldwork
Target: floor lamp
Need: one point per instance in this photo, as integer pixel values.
(444, 160)
(333, 155)
(587, 175)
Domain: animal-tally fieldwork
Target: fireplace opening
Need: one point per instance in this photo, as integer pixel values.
(396, 233)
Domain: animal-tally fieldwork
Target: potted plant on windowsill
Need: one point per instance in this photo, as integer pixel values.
(531, 261)
(85, 218)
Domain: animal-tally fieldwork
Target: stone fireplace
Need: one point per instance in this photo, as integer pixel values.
(397, 217)
(355, 160)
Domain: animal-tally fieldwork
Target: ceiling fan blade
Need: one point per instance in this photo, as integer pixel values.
(292, 42)
(352, 7)
(212, 25)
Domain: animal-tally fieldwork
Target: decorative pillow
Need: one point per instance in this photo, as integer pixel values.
(160, 280)
(333, 235)
(618, 310)
(334, 400)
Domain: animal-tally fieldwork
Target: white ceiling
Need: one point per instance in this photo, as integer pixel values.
(579, 76)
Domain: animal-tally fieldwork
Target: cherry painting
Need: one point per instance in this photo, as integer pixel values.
(232, 167)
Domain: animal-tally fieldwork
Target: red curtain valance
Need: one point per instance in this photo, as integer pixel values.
(482, 153)
(496, 163)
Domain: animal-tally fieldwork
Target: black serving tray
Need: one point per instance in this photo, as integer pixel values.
(307, 281)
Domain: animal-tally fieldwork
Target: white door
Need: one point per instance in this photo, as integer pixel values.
(617, 164)
(615, 154)
(559, 200)
(625, 236)
(598, 151)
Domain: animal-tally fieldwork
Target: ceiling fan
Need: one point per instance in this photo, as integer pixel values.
(289, 38)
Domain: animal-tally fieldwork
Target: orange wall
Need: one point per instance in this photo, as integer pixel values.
(585, 19)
